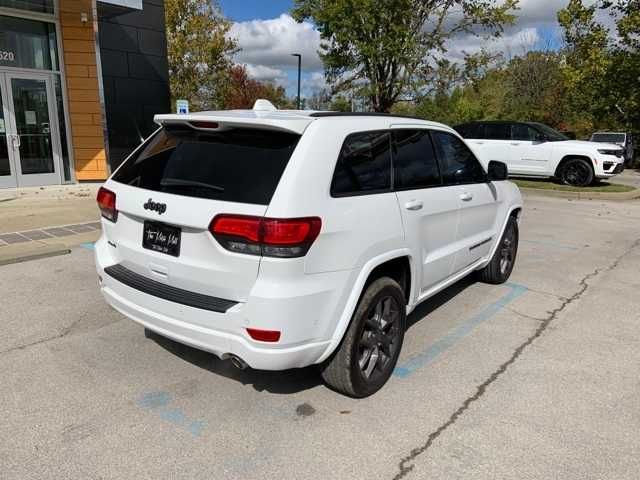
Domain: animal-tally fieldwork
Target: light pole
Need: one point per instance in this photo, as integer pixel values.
(299, 69)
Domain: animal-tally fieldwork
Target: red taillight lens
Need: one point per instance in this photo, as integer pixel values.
(290, 232)
(264, 335)
(237, 226)
(107, 203)
(271, 237)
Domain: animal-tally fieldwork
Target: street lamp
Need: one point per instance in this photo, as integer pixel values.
(299, 68)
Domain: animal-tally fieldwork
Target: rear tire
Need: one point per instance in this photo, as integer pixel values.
(369, 351)
(499, 269)
(148, 333)
(577, 172)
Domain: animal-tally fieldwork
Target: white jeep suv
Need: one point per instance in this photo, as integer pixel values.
(281, 239)
(535, 149)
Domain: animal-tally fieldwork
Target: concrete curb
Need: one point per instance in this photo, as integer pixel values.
(621, 196)
(46, 251)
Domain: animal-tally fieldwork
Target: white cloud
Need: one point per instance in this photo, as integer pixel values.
(265, 73)
(270, 43)
(315, 81)
(267, 45)
(510, 44)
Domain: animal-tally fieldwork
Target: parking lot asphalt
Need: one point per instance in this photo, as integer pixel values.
(537, 378)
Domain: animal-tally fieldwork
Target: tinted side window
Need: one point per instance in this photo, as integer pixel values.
(469, 130)
(414, 160)
(497, 131)
(364, 164)
(457, 163)
(240, 165)
(520, 131)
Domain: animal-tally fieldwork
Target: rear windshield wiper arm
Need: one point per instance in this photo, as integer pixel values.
(176, 182)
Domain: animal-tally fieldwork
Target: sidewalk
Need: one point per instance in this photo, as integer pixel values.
(44, 221)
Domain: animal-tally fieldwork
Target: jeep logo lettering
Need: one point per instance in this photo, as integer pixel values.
(155, 207)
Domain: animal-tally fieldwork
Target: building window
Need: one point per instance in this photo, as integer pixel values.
(28, 44)
(40, 6)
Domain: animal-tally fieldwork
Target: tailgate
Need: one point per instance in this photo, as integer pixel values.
(169, 191)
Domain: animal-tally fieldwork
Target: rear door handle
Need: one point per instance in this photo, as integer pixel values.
(466, 197)
(413, 205)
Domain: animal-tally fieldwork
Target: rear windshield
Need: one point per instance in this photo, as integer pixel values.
(608, 137)
(239, 165)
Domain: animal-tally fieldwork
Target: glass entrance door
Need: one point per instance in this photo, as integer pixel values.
(32, 137)
(7, 169)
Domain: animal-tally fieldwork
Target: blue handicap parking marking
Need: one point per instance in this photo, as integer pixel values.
(88, 246)
(160, 404)
(434, 350)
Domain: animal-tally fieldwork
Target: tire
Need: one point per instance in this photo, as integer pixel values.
(499, 269)
(148, 333)
(577, 172)
(372, 339)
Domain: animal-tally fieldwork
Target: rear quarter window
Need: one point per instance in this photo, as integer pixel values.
(239, 165)
(364, 165)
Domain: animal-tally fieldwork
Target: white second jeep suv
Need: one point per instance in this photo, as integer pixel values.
(537, 150)
(282, 239)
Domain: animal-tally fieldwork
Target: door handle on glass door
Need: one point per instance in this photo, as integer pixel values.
(413, 205)
(466, 197)
(15, 141)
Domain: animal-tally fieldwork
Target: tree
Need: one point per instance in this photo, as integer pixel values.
(241, 91)
(199, 51)
(624, 74)
(340, 104)
(320, 99)
(587, 61)
(378, 46)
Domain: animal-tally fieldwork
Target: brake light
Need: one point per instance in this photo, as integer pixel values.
(270, 237)
(264, 335)
(107, 203)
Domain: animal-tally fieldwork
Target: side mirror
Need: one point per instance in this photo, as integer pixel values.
(497, 171)
(541, 137)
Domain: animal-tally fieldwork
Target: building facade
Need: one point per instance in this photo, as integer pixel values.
(80, 82)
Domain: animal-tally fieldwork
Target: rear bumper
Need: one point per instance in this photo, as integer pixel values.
(305, 314)
(221, 344)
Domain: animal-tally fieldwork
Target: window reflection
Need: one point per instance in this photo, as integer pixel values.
(42, 6)
(27, 44)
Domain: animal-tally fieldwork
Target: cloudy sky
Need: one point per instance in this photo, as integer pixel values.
(268, 35)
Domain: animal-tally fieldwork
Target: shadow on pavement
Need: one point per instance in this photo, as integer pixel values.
(438, 300)
(282, 382)
(294, 380)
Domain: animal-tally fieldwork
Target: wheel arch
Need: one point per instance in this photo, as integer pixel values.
(397, 262)
(514, 211)
(566, 158)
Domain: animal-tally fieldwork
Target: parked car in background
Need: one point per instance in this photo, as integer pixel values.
(623, 139)
(281, 239)
(537, 150)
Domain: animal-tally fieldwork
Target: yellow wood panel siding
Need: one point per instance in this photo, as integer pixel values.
(78, 46)
(89, 154)
(83, 96)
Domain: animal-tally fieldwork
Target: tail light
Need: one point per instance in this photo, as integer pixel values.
(270, 237)
(107, 203)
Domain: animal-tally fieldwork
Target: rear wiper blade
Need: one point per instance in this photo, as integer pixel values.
(177, 182)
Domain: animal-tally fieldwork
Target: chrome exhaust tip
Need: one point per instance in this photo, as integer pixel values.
(238, 362)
